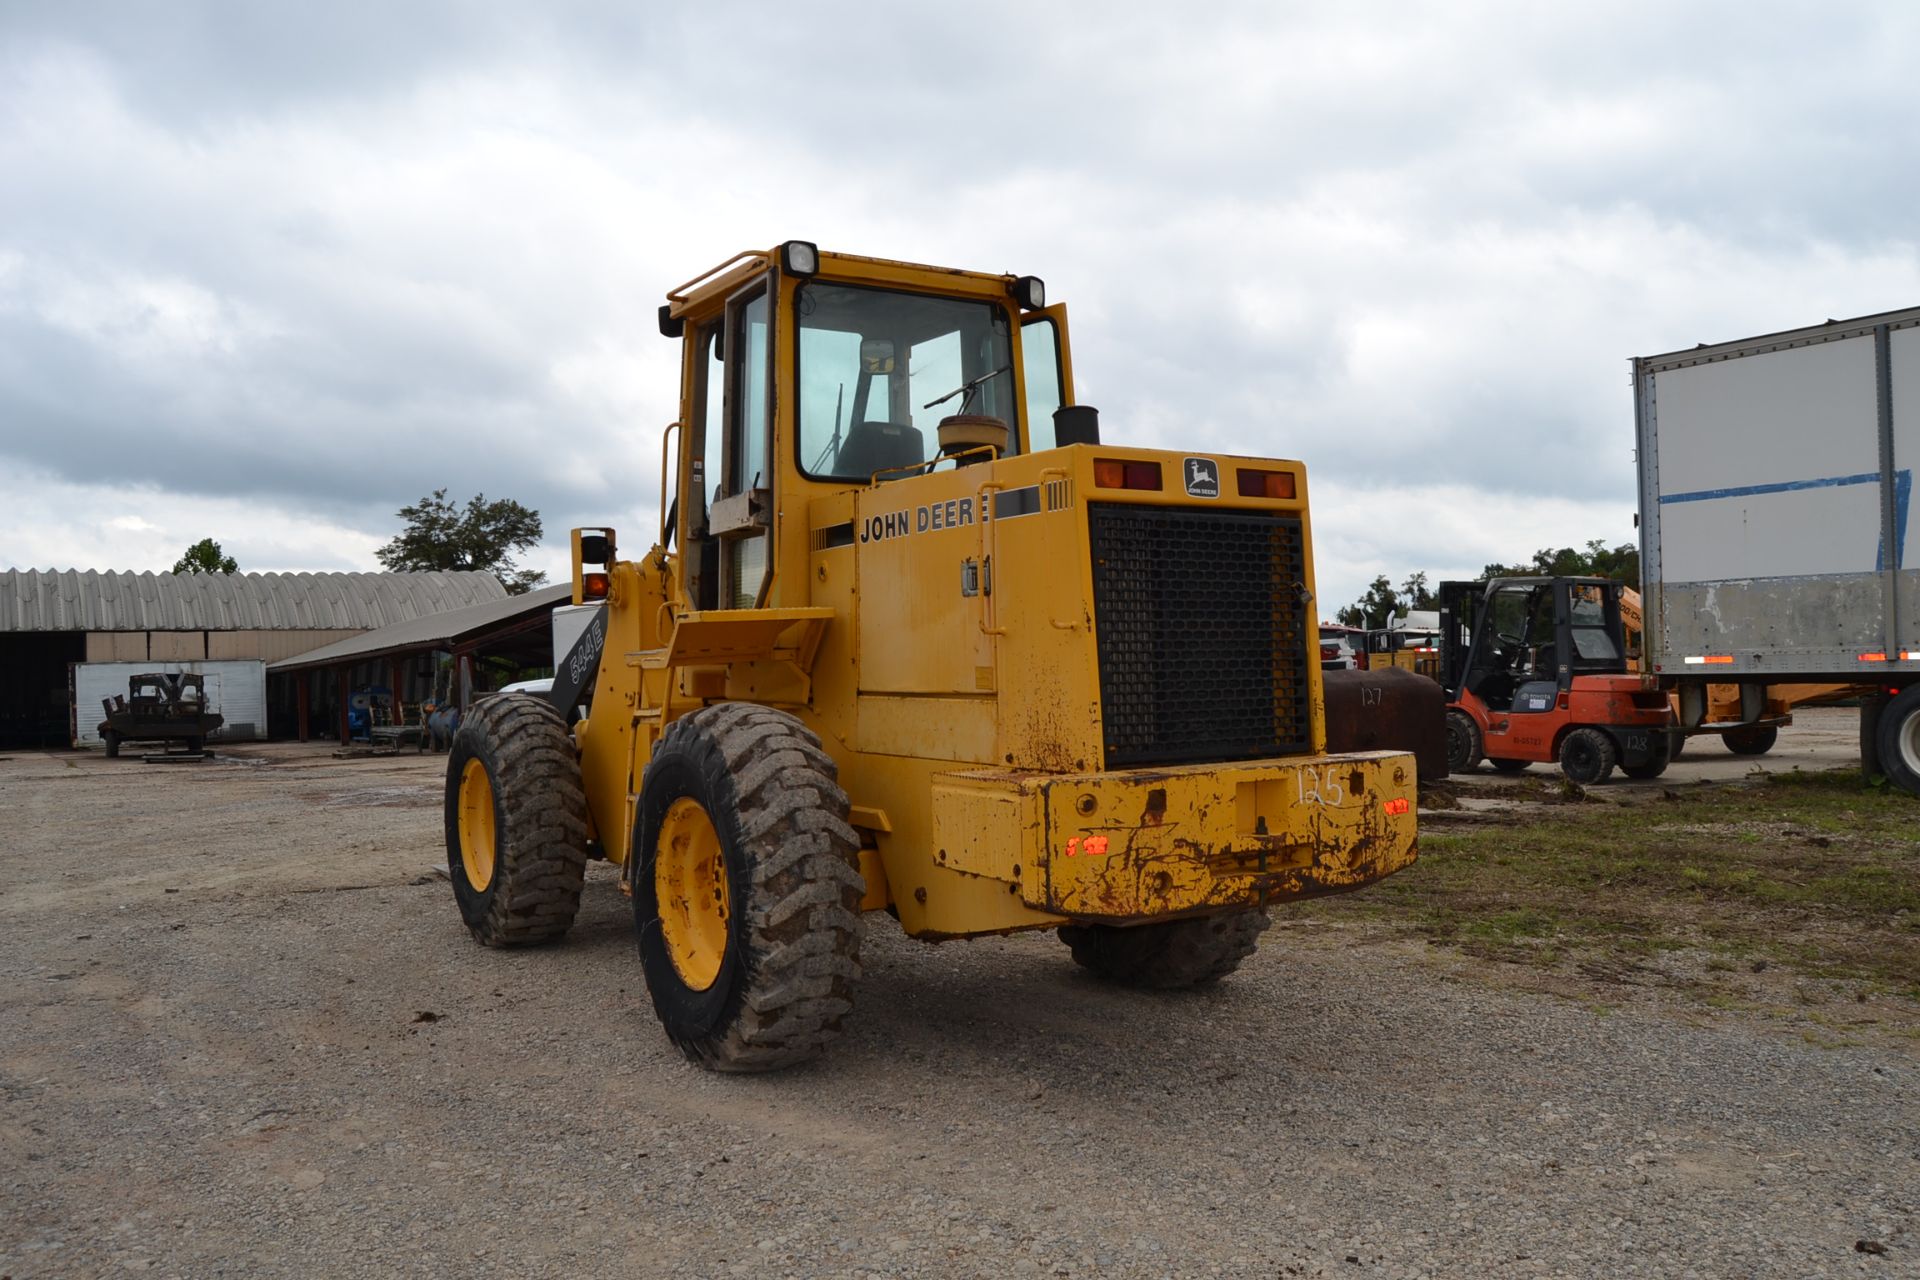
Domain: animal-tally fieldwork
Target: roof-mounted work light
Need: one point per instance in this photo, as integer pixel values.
(799, 257)
(1030, 292)
(671, 326)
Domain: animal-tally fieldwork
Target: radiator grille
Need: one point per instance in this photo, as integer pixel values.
(1201, 625)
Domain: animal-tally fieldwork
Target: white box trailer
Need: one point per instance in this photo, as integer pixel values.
(236, 689)
(1776, 545)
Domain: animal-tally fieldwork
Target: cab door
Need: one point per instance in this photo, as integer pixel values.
(741, 517)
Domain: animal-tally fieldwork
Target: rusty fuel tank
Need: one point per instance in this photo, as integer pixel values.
(1388, 710)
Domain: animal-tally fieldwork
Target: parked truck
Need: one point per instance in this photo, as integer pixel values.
(1776, 483)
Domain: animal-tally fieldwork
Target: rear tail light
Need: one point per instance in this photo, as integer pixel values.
(593, 586)
(1266, 484)
(1111, 473)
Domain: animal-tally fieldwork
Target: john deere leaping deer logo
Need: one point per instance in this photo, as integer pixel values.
(1203, 478)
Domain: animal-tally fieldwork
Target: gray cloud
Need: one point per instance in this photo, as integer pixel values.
(328, 259)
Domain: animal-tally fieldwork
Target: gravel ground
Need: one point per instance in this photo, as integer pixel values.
(243, 1033)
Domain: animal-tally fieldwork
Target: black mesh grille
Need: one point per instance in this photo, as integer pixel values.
(1202, 632)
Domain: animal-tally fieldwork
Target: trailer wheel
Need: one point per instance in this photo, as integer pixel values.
(1503, 765)
(1899, 740)
(516, 822)
(1176, 953)
(1753, 741)
(746, 889)
(1587, 756)
(112, 738)
(1463, 741)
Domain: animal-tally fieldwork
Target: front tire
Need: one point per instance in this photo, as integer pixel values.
(746, 889)
(1508, 766)
(1754, 741)
(516, 822)
(1463, 741)
(1587, 756)
(1898, 736)
(1169, 955)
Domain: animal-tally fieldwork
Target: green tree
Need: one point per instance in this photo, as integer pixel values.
(1621, 563)
(1374, 608)
(481, 536)
(1415, 594)
(204, 556)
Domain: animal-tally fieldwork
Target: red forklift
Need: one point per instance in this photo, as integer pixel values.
(1535, 670)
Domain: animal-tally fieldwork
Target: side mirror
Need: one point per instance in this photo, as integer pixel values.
(1076, 424)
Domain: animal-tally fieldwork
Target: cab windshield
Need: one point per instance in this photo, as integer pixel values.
(872, 364)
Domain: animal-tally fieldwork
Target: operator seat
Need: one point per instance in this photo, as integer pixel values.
(879, 446)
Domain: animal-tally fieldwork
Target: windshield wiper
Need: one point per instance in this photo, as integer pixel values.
(967, 389)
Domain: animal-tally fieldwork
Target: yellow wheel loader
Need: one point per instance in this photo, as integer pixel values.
(910, 638)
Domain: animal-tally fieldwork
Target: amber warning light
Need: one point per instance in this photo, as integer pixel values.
(593, 586)
(1266, 484)
(1111, 473)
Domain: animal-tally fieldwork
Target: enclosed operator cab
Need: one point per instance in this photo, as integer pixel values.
(1536, 671)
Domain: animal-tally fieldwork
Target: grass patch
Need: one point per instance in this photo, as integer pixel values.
(1818, 873)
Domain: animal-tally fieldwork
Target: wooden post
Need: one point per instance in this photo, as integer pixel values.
(340, 695)
(303, 696)
(399, 701)
(466, 683)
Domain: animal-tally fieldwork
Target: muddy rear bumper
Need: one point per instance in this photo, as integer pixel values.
(1150, 843)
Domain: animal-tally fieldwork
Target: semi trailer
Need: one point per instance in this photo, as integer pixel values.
(1776, 545)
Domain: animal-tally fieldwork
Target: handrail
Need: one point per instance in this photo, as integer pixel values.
(666, 504)
(679, 292)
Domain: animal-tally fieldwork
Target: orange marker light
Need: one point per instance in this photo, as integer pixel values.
(1111, 473)
(1265, 484)
(593, 586)
(1873, 657)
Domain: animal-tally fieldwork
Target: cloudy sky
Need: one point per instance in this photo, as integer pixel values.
(269, 271)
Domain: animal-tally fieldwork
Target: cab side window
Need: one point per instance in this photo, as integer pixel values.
(1040, 356)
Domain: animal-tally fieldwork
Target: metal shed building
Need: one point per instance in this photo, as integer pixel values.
(51, 619)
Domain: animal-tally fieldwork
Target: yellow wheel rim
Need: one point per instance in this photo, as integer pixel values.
(476, 824)
(690, 886)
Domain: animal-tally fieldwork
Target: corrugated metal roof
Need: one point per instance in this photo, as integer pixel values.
(438, 631)
(72, 600)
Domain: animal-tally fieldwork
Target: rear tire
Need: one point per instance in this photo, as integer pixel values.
(1174, 954)
(1587, 756)
(1676, 745)
(1756, 741)
(1463, 741)
(1508, 766)
(112, 738)
(1654, 767)
(516, 822)
(746, 889)
(1899, 740)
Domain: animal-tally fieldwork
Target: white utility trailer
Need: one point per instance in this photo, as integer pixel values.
(1776, 545)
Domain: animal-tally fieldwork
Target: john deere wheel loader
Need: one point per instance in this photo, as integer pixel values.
(911, 639)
